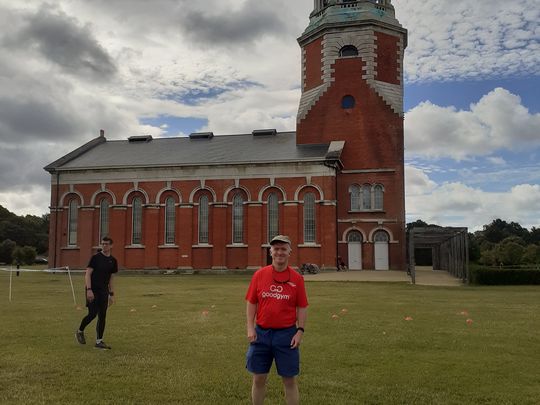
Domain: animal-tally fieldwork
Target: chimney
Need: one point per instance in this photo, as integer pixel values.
(102, 133)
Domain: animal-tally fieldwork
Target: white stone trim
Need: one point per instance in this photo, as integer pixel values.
(102, 190)
(133, 190)
(196, 189)
(234, 187)
(71, 191)
(169, 188)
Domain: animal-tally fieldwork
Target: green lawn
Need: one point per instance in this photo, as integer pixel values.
(166, 350)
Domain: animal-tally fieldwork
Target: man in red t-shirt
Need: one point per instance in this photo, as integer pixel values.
(276, 315)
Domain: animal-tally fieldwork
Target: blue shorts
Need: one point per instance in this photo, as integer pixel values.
(273, 344)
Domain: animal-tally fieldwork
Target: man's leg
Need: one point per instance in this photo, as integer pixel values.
(258, 389)
(92, 312)
(292, 396)
(102, 315)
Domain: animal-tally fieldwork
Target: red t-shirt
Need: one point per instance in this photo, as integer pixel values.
(277, 295)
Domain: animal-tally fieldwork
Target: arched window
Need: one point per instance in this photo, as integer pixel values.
(354, 236)
(366, 197)
(238, 219)
(170, 221)
(378, 192)
(136, 221)
(309, 218)
(381, 236)
(355, 197)
(103, 219)
(348, 102)
(72, 222)
(348, 50)
(203, 219)
(273, 216)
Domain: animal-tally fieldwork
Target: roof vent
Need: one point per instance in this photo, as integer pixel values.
(201, 135)
(140, 139)
(260, 132)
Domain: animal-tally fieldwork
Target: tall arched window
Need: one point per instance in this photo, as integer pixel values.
(203, 219)
(72, 222)
(273, 216)
(355, 197)
(366, 197)
(103, 219)
(378, 192)
(238, 219)
(309, 218)
(136, 221)
(170, 221)
(348, 50)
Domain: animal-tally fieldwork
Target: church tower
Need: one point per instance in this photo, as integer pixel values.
(352, 91)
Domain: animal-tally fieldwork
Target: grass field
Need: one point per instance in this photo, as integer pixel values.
(181, 340)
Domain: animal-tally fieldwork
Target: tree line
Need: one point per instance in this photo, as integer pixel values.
(22, 238)
(501, 243)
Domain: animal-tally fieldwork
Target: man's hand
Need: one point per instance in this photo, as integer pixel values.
(297, 338)
(251, 334)
(112, 300)
(90, 295)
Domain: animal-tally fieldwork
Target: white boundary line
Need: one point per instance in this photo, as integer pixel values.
(64, 269)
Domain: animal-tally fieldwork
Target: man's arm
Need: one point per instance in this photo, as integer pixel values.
(251, 311)
(88, 284)
(301, 316)
(112, 297)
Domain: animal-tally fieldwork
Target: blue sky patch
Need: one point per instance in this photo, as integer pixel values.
(174, 126)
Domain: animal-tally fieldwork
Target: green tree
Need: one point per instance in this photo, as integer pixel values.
(531, 255)
(29, 230)
(510, 253)
(534, 235)
(6, 251)
(488, 257)
(24, 255)
(499, 230)
(474, 248)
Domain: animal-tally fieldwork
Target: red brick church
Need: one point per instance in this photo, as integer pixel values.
(335, 185)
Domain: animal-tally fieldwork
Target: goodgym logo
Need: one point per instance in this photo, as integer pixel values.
(276, 293)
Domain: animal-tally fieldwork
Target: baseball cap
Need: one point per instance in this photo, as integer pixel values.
(280, 238)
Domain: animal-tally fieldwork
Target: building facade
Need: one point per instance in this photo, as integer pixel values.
(335, 185)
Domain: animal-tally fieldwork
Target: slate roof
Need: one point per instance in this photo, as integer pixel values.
(100, 153)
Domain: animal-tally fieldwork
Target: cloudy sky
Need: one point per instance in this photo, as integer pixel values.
(170, 67)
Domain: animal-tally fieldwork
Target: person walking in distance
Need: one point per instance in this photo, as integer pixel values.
(276, 312)
(99, 291)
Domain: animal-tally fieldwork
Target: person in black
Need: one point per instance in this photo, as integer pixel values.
(99, 291)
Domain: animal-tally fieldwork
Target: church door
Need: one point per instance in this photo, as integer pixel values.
(381, 250)
(354, 241)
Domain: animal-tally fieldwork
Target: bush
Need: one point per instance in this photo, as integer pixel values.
(6, 251)
(502, 276)
(24, 255)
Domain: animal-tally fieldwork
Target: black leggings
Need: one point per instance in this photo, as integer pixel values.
(98, 308)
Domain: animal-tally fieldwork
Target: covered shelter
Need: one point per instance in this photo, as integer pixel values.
(449, 249)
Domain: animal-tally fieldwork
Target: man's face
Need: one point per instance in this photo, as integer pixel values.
(106, 246)
(280, 253)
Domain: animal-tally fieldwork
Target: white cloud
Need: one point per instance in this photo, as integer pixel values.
(23, 200)
(458, 39)
(497, 121)
(456, 204)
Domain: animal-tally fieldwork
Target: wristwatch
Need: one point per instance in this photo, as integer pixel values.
(300, 328)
